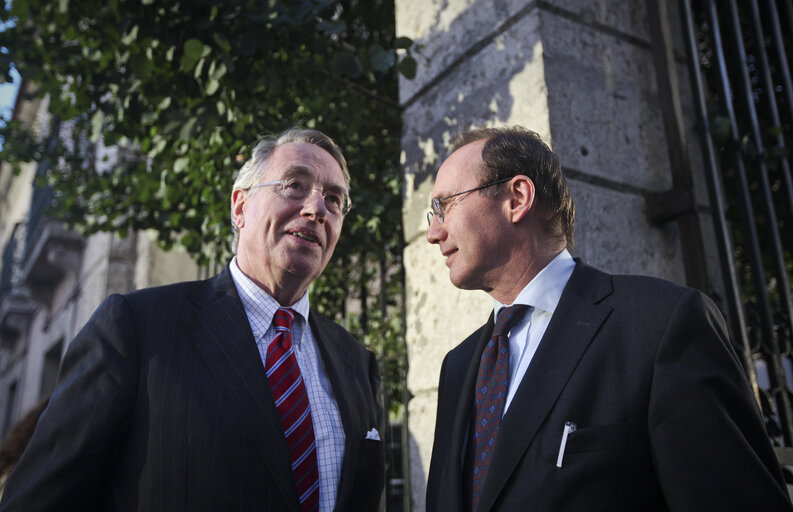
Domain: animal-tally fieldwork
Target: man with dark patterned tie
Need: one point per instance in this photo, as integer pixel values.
(584, 391)
(227, 394)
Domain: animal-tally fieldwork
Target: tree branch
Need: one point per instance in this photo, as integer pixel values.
(363, 90)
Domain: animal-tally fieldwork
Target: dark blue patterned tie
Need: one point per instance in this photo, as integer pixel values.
(490, 394)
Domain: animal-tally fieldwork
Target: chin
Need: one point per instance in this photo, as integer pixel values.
(304, 268)
(308, 272)
(463, 282)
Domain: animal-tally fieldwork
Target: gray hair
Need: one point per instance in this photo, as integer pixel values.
(253, 171)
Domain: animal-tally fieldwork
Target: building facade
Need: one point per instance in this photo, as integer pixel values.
(52, 279)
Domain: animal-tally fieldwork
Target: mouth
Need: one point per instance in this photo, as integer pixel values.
(307, 235)
(448, 254)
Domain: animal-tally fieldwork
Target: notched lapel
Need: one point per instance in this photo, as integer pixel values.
(220, 332)
(451, 487)
(576, 321)
(462, 418)
(336, 365)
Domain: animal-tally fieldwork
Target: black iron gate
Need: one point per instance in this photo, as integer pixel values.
(738, 55)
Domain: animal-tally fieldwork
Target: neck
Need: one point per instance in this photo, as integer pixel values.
(285, 296)
(522, 270)
(286, 291)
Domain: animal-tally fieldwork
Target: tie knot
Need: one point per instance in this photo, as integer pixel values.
(507, 318)
(283, 319)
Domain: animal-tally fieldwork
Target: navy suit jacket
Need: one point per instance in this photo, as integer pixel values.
(665, 418)
(162, 404)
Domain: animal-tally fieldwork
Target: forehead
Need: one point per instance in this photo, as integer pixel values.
(460, 170)
(304, 157)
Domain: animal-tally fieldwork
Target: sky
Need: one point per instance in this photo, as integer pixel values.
(8, 91)
(8, 94)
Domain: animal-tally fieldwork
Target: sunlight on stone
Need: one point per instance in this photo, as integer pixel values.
(430, 155)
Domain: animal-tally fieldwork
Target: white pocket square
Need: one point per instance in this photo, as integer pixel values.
(373, 435)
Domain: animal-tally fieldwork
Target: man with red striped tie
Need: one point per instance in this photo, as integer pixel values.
(224, 394)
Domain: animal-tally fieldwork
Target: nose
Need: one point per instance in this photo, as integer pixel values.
(436, 233)
(314, 205)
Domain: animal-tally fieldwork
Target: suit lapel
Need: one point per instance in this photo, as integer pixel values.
(221, 335)
(459, 439)
(575, 323)
(337, 364)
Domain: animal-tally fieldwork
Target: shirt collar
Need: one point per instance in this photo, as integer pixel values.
(260, 303)
(544, 291)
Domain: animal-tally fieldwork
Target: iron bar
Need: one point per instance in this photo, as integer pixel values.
(788, 17)
(732, 287)
(768, 339)
(777, 254)
(787, 182)
(782, 62)
(745, 200)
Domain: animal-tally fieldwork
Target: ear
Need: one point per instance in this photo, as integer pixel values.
(238, 198)
(521, 197)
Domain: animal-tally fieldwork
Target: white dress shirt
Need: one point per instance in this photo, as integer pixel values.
(260, 308)
(543, 294)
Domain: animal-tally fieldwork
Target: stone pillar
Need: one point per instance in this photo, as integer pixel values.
(578, 72)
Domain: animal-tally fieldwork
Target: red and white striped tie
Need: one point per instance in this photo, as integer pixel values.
(291, 400)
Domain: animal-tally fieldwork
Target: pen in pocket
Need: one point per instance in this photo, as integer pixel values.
(569, 427)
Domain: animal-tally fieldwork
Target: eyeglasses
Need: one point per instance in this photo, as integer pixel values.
(437, 203)
(299, 188)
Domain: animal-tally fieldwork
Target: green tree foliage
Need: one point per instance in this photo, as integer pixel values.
(188, 87)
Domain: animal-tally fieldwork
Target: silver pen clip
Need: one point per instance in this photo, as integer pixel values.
(569, 427)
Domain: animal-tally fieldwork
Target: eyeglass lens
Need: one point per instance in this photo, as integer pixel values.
(300, 187)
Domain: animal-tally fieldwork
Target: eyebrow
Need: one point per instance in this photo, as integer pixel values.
(442, 194)
(302, 170)
(445, 196)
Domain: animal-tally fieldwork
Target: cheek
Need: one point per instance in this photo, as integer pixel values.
(472, 243)
(332, 235)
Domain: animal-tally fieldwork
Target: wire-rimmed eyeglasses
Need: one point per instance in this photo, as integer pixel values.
(298, 188)
(437, 202)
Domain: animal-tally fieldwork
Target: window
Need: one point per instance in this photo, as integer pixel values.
(49, 373)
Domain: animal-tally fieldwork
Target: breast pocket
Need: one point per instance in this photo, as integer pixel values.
(589, 442)
(595, 438)
(372, 453)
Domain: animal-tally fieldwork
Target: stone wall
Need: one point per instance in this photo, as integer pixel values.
(580, 73)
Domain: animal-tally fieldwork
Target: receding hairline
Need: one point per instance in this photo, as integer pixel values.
(315, 138)
(470, 136)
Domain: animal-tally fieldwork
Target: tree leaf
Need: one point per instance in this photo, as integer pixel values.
(130, 37)
(407, 66)
(187, 63)
(403, 42)
(193, 48)
(180, 164)
(212, 87)
(96, 124)
(346, 64)
(332, 26)
(221, 41)
(381, 59)
(187, 129)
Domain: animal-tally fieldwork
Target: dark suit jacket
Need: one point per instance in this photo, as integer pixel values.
(665, 418)
(163, 404)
